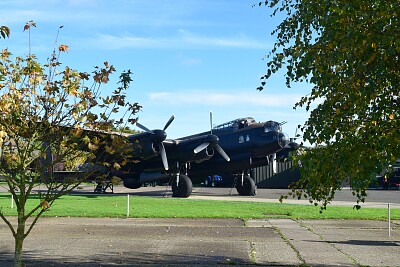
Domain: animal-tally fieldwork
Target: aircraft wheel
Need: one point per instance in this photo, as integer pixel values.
(206, 182)
(248, 188)
(184, 189)
(132, 183)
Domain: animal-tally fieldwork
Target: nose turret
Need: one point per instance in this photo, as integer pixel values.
(270, 126)
(283, 139)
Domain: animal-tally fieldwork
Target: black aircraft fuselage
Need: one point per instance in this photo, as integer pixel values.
(240, 144)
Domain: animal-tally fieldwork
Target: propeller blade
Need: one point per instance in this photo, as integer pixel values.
(201, 147)
(164, 156)
(169, 122)
(222, 153)
(211, 122)
(144, 128)
(274, 167)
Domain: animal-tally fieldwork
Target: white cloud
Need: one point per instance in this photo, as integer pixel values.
(107, 41)
(211, 98)
(183, 40)
(238, 41)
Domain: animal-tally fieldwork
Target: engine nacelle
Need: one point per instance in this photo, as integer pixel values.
(203, 155)
(148, 151)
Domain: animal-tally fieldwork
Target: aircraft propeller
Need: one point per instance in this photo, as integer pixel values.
(212, 141)
(158, 137)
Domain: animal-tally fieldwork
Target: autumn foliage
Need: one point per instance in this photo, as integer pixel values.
(52, 114)
(348, 51)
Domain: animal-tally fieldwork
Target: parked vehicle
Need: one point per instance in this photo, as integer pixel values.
(213, 180)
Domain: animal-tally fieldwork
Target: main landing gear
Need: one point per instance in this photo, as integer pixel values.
(183, 188)
(245, 185)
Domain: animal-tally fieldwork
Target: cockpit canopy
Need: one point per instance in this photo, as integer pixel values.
(245, 122)
(272, 126)
(236, 124)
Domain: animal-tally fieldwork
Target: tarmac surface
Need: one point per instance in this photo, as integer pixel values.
(209, 242)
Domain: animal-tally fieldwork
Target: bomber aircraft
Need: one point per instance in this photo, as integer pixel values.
(240, 144)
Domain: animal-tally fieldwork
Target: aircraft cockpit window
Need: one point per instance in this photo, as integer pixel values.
(235, 124)
(225, 126)
(243, 123)
(272, 126)
(250, 121)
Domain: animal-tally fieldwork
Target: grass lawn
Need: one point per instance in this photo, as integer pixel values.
(150, 207)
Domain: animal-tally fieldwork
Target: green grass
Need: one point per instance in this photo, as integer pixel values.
(149, 207)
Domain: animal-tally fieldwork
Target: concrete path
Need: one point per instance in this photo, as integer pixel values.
(205, 242)
(69, 242)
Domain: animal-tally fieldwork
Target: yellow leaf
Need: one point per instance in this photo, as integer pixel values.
(116, 166)
(3, 134)
(115, 180)
(44, 204)
(86, 140)
(109, 149)
(92, 146)
(63, 48)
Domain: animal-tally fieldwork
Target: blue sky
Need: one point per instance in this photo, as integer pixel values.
(187, 56)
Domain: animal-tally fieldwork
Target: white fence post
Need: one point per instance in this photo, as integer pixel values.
(389, 219)
(127, 207)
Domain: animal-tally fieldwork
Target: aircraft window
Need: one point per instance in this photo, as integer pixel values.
(235, 124)
(227, 125)
(272, 126)
(250, 121)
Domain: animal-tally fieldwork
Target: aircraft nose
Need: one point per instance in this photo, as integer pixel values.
(283, 140)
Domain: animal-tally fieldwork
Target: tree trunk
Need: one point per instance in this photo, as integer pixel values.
(18, 251)
(19, 239)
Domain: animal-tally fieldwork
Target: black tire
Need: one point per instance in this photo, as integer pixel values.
(184, 188)
(248, 188)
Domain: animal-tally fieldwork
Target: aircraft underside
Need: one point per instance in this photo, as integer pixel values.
(182, 185)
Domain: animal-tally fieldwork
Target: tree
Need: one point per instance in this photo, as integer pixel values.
(50, 115)
(349, 51)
